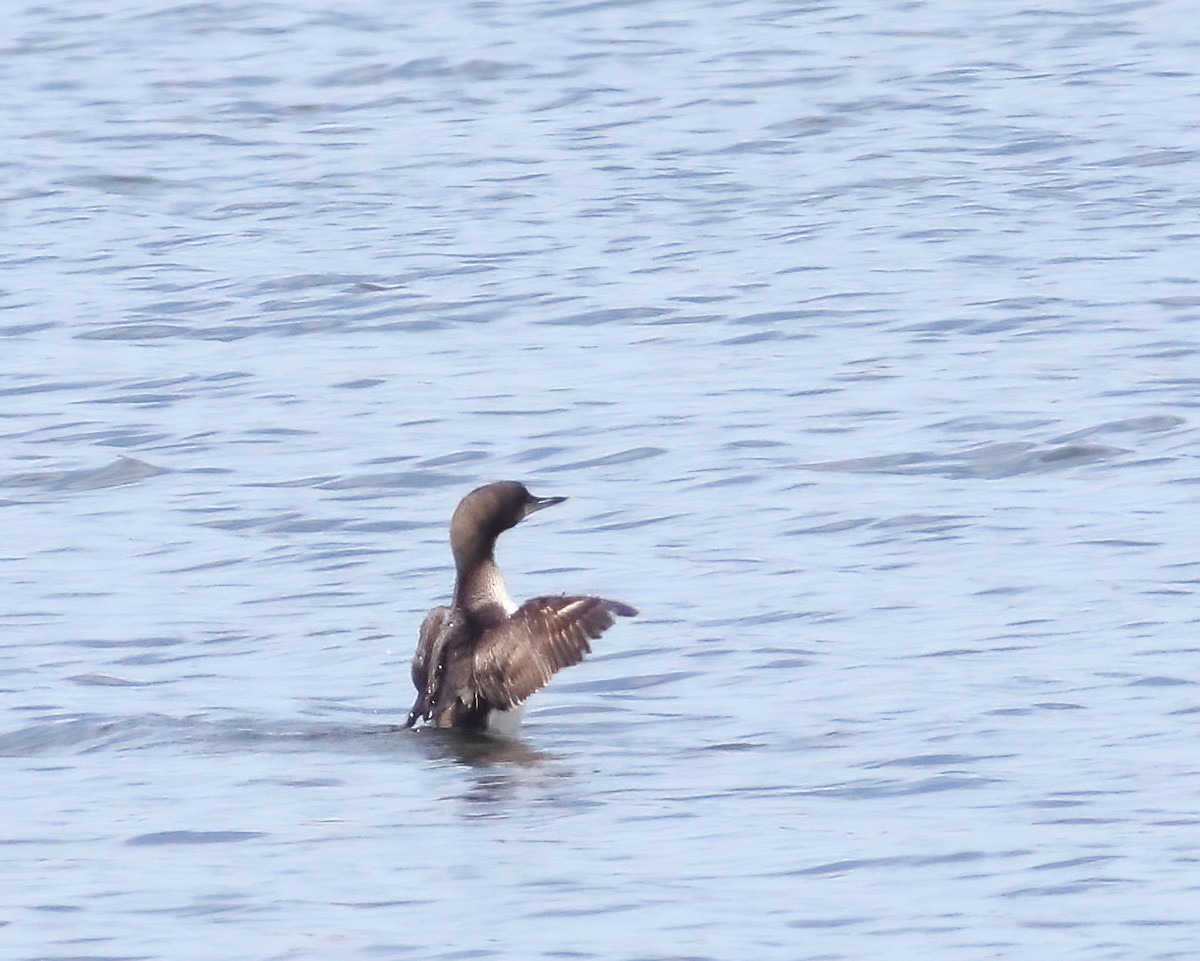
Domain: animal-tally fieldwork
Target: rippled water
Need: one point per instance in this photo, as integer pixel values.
(862, 339)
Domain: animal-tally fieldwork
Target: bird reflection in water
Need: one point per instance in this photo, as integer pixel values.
(502, 768)
(478, 750)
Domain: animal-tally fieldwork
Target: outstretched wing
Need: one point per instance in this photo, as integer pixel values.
(518, 656)
(427, 662)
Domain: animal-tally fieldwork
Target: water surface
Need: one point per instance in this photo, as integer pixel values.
(862, 339)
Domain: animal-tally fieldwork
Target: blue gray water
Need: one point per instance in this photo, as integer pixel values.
(863, 339)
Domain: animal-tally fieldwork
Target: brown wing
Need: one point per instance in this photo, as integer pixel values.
(427, 662)
(517, 657)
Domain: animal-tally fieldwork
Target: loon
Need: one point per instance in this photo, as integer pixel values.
(478, 660)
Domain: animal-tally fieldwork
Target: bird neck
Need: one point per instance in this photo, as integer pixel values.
(480, 586)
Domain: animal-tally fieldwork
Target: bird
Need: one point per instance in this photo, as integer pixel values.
(478, 660)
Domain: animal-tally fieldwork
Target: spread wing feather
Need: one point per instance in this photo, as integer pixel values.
(427, 662)
(518, 656)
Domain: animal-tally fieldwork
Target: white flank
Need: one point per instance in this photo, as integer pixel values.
(505, 723)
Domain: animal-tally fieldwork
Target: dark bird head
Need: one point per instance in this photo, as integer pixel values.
(486, 513)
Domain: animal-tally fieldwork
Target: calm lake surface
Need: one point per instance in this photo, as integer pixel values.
(863, 338)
